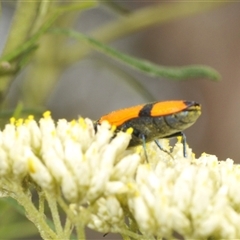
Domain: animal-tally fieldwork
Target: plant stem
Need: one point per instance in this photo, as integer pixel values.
(34, 215)
(55, 214)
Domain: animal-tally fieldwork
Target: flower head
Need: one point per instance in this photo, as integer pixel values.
(96, 178)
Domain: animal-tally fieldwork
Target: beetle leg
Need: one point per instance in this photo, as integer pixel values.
(183, 141)
(142, 136)
(162, 149)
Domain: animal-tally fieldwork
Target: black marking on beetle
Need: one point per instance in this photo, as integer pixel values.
(146, 110)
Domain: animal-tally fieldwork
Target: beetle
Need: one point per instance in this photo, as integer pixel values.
(156, 120)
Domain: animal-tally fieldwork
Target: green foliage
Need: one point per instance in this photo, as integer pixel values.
(31, 46)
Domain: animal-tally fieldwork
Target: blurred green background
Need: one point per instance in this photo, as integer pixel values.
(68, 78)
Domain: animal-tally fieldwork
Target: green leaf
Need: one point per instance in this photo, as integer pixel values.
(14, 223)
(13, 203)
(116, 7)
(30, 44)
(174, 73)
(19, 230)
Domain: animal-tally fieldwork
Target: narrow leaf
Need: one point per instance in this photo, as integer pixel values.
(174, 73)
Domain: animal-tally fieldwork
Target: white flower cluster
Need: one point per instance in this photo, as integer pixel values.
(68, 155)
(194, 198)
